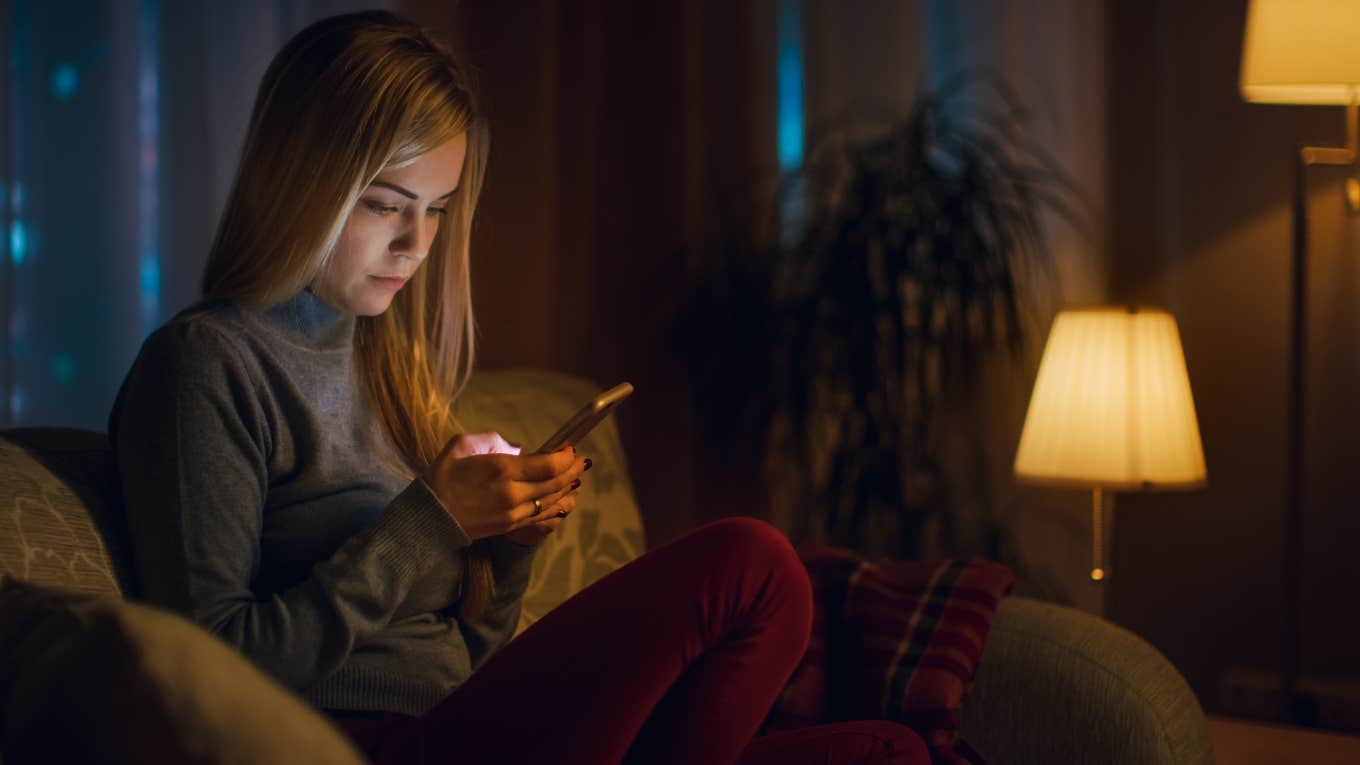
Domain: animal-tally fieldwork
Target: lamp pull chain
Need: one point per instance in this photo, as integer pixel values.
(1097, 535)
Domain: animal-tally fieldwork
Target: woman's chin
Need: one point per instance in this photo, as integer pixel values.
(376, 306)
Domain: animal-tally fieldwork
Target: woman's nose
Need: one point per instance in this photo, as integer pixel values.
(413, 242)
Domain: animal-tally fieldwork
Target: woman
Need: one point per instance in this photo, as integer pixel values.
(295, 482)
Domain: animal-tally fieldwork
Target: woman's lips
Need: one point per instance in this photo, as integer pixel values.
(392, 283)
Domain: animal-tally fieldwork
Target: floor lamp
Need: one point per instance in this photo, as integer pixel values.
(1111, 411)
(1302, 52)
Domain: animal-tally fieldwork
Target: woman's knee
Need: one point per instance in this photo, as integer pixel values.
(756, 546)
(757, 542)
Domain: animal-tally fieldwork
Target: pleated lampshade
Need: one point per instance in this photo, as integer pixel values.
(1111, 407)
(1301, 52)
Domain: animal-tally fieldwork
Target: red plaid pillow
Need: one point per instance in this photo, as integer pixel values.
(896, 640)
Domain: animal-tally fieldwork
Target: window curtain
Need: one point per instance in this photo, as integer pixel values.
(121, 128)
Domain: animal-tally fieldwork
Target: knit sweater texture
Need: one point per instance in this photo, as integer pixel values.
(258, 504)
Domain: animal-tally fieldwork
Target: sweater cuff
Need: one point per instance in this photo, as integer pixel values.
(417, 514)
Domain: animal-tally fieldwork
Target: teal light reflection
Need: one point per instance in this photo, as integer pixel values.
(65, 80)
(790, 66)
(18, 242)
(149, 280)
(64, 368)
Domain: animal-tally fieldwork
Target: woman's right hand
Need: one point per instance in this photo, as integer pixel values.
(489, 488)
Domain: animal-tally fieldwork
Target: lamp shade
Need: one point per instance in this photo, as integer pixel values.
(1111, 407)
(1301, 51)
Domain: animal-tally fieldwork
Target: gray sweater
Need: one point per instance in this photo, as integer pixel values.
(258, 506)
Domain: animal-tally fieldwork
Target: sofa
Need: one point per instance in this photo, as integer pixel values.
(1054, 685)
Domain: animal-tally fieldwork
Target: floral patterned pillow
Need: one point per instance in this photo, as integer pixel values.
(58, 527)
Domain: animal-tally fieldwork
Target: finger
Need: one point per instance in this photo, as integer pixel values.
(544, 467)
(545, 527)
(527, 489)
(562, 501)
(533, 521)
(570, 489)
(527, 513)
(530, 511)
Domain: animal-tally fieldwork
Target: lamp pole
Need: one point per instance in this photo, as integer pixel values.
(1292, 707)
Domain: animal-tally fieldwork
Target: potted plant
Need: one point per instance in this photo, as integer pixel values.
(896, 262)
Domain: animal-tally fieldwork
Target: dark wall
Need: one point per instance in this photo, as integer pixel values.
(1199, 197)
(616, 129)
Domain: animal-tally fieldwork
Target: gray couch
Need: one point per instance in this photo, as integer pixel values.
(1055, 685)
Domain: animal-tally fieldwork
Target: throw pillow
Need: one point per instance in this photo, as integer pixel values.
(895, 640)
(93, 678)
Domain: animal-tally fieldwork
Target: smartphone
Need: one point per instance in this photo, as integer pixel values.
(590, 415)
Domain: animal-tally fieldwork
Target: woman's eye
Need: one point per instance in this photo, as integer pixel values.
(378, 208)
(437, 211)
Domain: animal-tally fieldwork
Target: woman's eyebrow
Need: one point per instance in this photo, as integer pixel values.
(405, 192)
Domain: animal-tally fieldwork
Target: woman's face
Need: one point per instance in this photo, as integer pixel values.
(389, 231)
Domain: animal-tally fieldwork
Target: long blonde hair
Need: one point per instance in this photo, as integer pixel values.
(346, 98)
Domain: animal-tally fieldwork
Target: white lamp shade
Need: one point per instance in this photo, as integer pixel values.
(1301, 51)
(1111, 407)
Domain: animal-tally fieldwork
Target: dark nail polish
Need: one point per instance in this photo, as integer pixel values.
(561, 513)
(576, 484)
(588, 464)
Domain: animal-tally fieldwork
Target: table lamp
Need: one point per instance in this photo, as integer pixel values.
(1111, 411)
(1302, 52)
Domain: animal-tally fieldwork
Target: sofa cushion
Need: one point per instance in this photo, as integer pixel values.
(1050, 667)
(63, 523)
(93, 678)
(605, 532)
(896, 640)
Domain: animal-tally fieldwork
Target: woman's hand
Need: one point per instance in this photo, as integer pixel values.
(536, 532)
(489, 488)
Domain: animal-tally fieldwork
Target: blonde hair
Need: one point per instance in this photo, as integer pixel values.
(345, 99)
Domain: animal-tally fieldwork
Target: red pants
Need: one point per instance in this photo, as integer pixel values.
(674, 658)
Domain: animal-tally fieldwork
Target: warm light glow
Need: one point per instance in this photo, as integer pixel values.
(1301, 51)
(1111, 406)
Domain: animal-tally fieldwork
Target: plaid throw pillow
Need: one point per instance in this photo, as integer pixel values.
(895, 640)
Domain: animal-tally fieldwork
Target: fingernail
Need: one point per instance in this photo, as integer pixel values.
(588, 464)
(576, 484)
(561, 513)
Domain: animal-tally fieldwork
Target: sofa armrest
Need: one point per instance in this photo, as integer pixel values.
(1058, 685)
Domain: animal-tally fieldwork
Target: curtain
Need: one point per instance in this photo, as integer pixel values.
(122, 124)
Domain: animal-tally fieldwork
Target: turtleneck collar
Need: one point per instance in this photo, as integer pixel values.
(308, 321)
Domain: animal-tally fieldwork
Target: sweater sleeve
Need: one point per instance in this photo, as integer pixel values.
(511, 564)
(191, 441)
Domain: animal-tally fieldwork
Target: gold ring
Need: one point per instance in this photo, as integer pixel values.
(538, 506)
